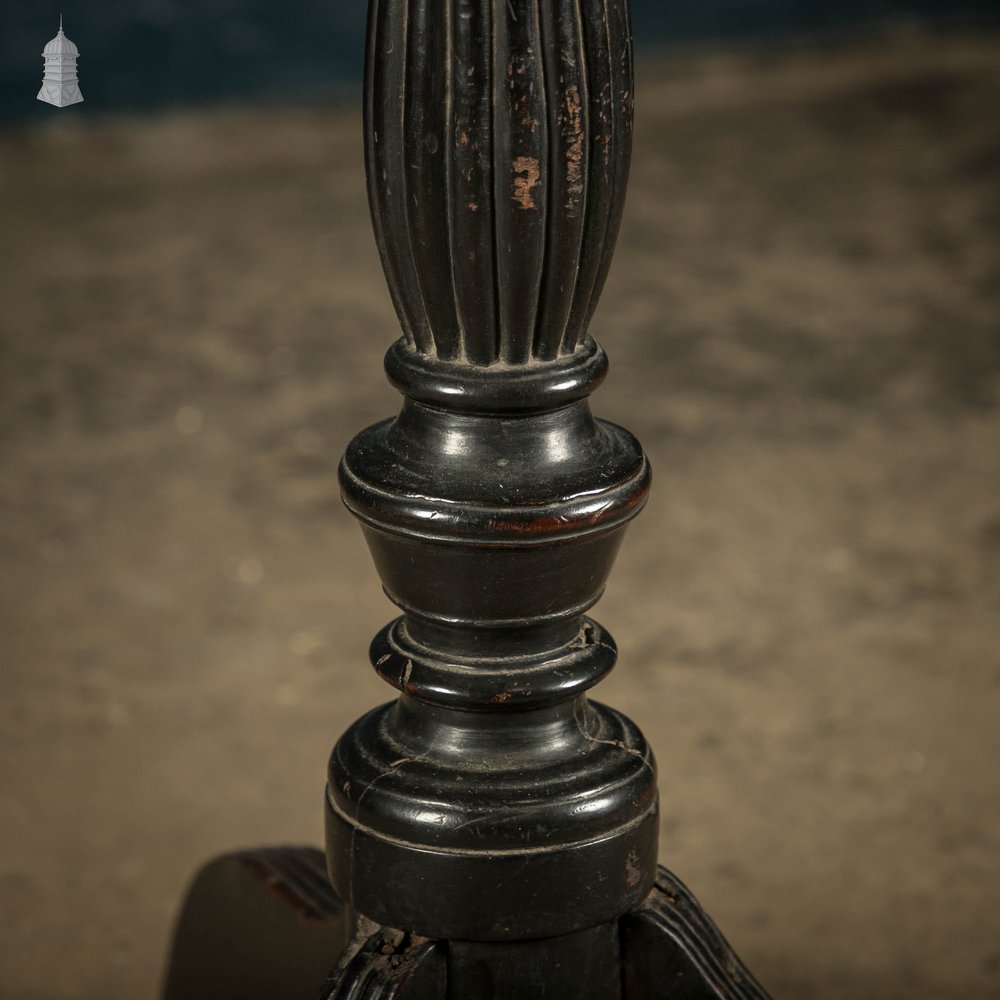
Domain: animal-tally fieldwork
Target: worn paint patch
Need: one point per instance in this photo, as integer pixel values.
(526, 174)
(633, 871)
(574, 151)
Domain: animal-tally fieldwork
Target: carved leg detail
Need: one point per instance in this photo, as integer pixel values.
(386, 964)
(257, 925)
(671, 950)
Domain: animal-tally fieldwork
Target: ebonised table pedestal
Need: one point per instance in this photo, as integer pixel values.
(491, 833)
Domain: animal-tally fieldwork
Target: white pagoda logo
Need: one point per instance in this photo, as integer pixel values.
(59, 86)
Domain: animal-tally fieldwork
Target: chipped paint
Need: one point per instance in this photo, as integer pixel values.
(526, 173)
(633, 871)
(574, 152)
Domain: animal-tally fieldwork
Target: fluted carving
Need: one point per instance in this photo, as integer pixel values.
(497, 141)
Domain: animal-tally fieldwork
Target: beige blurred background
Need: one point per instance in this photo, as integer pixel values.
(804, 327)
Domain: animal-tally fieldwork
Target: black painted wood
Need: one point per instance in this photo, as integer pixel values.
(493, 801)
(257, 925)
(498, 138)
(492, 831)
(671, 950)
(584, 965)
(381, 963)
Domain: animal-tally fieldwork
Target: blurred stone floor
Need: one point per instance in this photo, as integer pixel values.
(804, 326)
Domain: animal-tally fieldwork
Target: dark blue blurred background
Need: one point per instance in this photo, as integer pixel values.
(142, 54)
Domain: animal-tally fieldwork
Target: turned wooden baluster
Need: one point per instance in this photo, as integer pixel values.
(494, 832)
(492, 802)
(492, 805)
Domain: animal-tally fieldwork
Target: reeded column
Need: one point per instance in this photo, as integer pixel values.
(498, 137)
(492, 801)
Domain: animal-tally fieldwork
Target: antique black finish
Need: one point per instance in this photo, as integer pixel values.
(258, 925)
(492, 801)
(492, 830)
